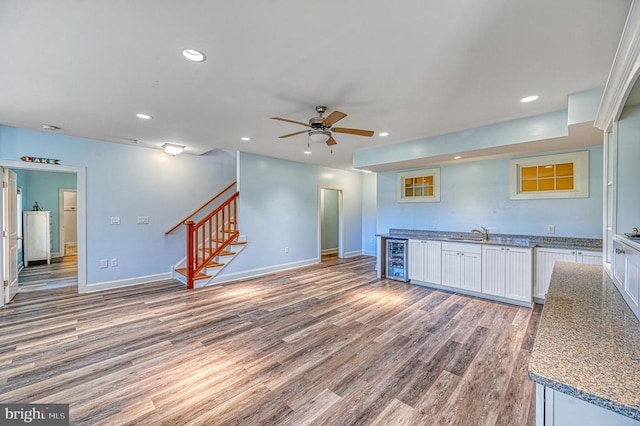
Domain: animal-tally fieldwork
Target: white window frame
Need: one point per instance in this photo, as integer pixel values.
(580, 160)
(435, 198)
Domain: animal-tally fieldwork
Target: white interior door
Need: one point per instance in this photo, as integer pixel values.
(68, 221)
(10, 234)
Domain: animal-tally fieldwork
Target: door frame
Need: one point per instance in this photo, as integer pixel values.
(61, 238)
(341, 230)
(81, 187)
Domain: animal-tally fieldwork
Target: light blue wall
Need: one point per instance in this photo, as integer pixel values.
(44, 187)
(628, 193)
(477, 194)
(127, 181)
(279, 207)
(369, 213)
(330, 220)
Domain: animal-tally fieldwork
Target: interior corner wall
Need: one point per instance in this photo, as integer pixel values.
(369, 213)
(127, 181)
(476, 194)
(279, 207)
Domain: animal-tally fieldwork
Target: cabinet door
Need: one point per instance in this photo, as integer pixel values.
(471, 266)
(519, 280)
(451, 268)
(493, 270)
(589, 257)
(545, 259)
(416, 260)
(632, 278)
(433, 261)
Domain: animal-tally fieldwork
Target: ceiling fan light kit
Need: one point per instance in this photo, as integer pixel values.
(321, 127)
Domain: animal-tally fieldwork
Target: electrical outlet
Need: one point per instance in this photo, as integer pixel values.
(115, 220)
(551, 229)
(104, 263)
(114, 262)
(286, 249)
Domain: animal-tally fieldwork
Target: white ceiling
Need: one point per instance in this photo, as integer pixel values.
(414, 68)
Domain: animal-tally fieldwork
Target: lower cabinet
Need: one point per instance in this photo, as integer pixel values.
(507, 272)
(462, 266)
(626, 274)
(547, 257)
(555, 408)
(425, 261)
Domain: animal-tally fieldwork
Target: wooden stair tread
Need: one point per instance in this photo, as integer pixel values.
(199, 276)
(214, 264)
(236, 243)
(227, 253)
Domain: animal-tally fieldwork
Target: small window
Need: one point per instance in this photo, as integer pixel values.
(420, 186)
(551, 176)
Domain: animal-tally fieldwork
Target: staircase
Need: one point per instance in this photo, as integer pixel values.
(212, 243)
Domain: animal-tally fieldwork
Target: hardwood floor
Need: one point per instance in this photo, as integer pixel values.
(323, 345)
(61, 272)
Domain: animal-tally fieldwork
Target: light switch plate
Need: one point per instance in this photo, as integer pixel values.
(142, 220)
(104, 263)
(115, 220)
(551, 229)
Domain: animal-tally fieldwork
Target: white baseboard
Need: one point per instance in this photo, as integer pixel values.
(329, 251)
(258, 272)
(127, 282)
(353, 253)
(369, 253)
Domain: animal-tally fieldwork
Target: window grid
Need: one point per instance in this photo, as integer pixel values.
(547, 177)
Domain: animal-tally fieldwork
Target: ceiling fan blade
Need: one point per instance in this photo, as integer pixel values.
(358, 132)
(293, 134)
(331, 141)
(291, 121)
(334, 117)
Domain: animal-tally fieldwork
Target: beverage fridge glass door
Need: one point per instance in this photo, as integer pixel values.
(397, 259)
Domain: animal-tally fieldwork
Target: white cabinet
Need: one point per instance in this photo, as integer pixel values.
(37, 236)
(462, 266)
(626, 273)
(507, 272)
(554, 408)
(425, 261)
(547, 257)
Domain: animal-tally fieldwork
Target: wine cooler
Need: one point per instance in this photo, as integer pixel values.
(396, 262)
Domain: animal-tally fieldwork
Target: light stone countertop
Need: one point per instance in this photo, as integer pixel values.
(498, 239)
(588, 341)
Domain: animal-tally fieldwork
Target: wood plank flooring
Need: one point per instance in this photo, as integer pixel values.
(322, 345)
(61, 272)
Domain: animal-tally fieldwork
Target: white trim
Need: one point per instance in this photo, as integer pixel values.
(258, 272)
(329, 251)
(369, 253)
(580, 159)
(341, 226)
(127, 282)
(435, 198)
(624, 71)
(353, 253)
(81, 188)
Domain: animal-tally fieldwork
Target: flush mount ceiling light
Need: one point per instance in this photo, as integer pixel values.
(529, 99)
(144, 116)
(173, 149)
(50, 127)
(383, 134)
(307, 152)
(457, 157)
(245, 138)
(194, 55)
(319, 136)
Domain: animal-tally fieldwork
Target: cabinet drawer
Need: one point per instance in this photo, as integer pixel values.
(462, 247)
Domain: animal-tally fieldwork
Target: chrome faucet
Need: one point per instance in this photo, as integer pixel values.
(482, 231)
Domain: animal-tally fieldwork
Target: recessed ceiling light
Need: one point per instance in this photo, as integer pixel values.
(144, 116)
(529, 98)
(457, 157)
(366, 171)
(307, 152)
(244, 138)
(194, 55)
(50, 127)
(383, 134)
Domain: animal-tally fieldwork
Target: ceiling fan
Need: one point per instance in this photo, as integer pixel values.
(321, 127)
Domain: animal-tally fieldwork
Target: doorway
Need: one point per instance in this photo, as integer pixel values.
(78, 263)
(331, 227)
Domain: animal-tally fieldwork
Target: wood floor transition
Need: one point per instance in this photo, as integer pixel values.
(323, 345)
